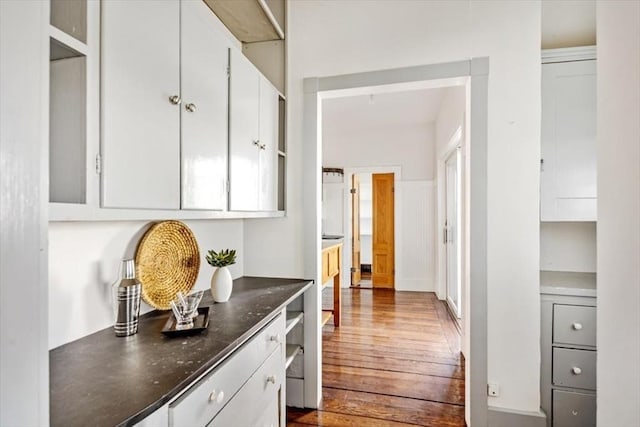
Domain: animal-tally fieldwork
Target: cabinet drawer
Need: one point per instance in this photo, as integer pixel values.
(248, 406)
(574, 324)
(194, 407)
(573, 409)
(574, 368)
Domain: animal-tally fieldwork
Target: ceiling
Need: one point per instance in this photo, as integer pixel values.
(568, 23)
(409, 108)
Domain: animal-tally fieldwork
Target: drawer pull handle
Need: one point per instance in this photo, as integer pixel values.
(576, 326)
(576, 371)
(216, 396)
(574, 412)
(271, 379)
(275, 338)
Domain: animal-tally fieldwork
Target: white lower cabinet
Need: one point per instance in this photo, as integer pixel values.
(245, 390)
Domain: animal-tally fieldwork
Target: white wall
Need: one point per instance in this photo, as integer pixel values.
(568, 246)
(403, 33)
(84, 261)
(411, 146)
(618, 27)
(24, 357)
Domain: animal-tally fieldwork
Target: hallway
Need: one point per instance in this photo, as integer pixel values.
(394, 361)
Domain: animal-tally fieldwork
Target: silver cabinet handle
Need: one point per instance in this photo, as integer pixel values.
(275, 338)
(272, 379)
(175, 100)
(576, 371)
(576, 326)
(190, 107)
(216, 396)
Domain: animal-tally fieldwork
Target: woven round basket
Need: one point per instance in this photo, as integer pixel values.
(167, 261)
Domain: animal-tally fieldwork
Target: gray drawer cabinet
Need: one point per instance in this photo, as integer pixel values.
(568, 368)
(573, 409)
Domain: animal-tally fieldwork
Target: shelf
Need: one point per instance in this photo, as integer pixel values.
(293, 318)
(326, 315)
(66, 42)
(291, 351)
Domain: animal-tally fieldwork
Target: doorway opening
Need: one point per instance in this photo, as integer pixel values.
(473, 75)
(373, 230)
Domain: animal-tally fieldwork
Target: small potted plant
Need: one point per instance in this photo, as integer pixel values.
(221, 281)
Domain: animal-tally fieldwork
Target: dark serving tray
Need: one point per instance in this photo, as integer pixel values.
(200, 323)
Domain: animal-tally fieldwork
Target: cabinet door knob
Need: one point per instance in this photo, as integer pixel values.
(216, 396)
(175, 100)
(576, 370)
(256, 142)
(576, 326)
(275, 338)
(263, 146)
(271, 379)
(190, 107)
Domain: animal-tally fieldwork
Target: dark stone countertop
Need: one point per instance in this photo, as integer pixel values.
(104, 380)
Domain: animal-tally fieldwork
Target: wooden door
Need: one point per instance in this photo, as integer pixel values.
(383, 266)
(204, 59)
(355, 230)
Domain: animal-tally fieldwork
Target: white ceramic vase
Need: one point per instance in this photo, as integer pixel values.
(221, 284)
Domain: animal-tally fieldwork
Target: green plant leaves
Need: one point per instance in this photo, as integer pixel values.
(222, 258)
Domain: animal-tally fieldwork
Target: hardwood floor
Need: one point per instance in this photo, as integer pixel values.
(394, 361)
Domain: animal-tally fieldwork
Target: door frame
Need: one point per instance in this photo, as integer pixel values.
(473, 73)
(457, 152)
(397, 176)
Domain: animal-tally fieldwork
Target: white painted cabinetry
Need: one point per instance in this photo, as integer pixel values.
(253, 161)
(140, 113)
(568, 165)
(164, 106)
(204, 114)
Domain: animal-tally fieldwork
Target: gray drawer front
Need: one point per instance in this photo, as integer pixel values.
(574, 368)
(574, 324)
(573, 409)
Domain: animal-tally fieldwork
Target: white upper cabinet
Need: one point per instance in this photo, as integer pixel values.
(204, 59)
(253, 109)
(164, 106)
(568, 187)
(268, 168)
(140, 114)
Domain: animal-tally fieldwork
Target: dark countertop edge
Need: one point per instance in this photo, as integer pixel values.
(214, 362)
(330, 243)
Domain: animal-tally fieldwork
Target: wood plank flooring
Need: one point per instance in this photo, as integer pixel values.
(394, 361)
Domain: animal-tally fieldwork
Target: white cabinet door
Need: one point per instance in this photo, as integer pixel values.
(568, 177)
(140, 127)
(244, 145)
(204, 61)
(268, 161)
